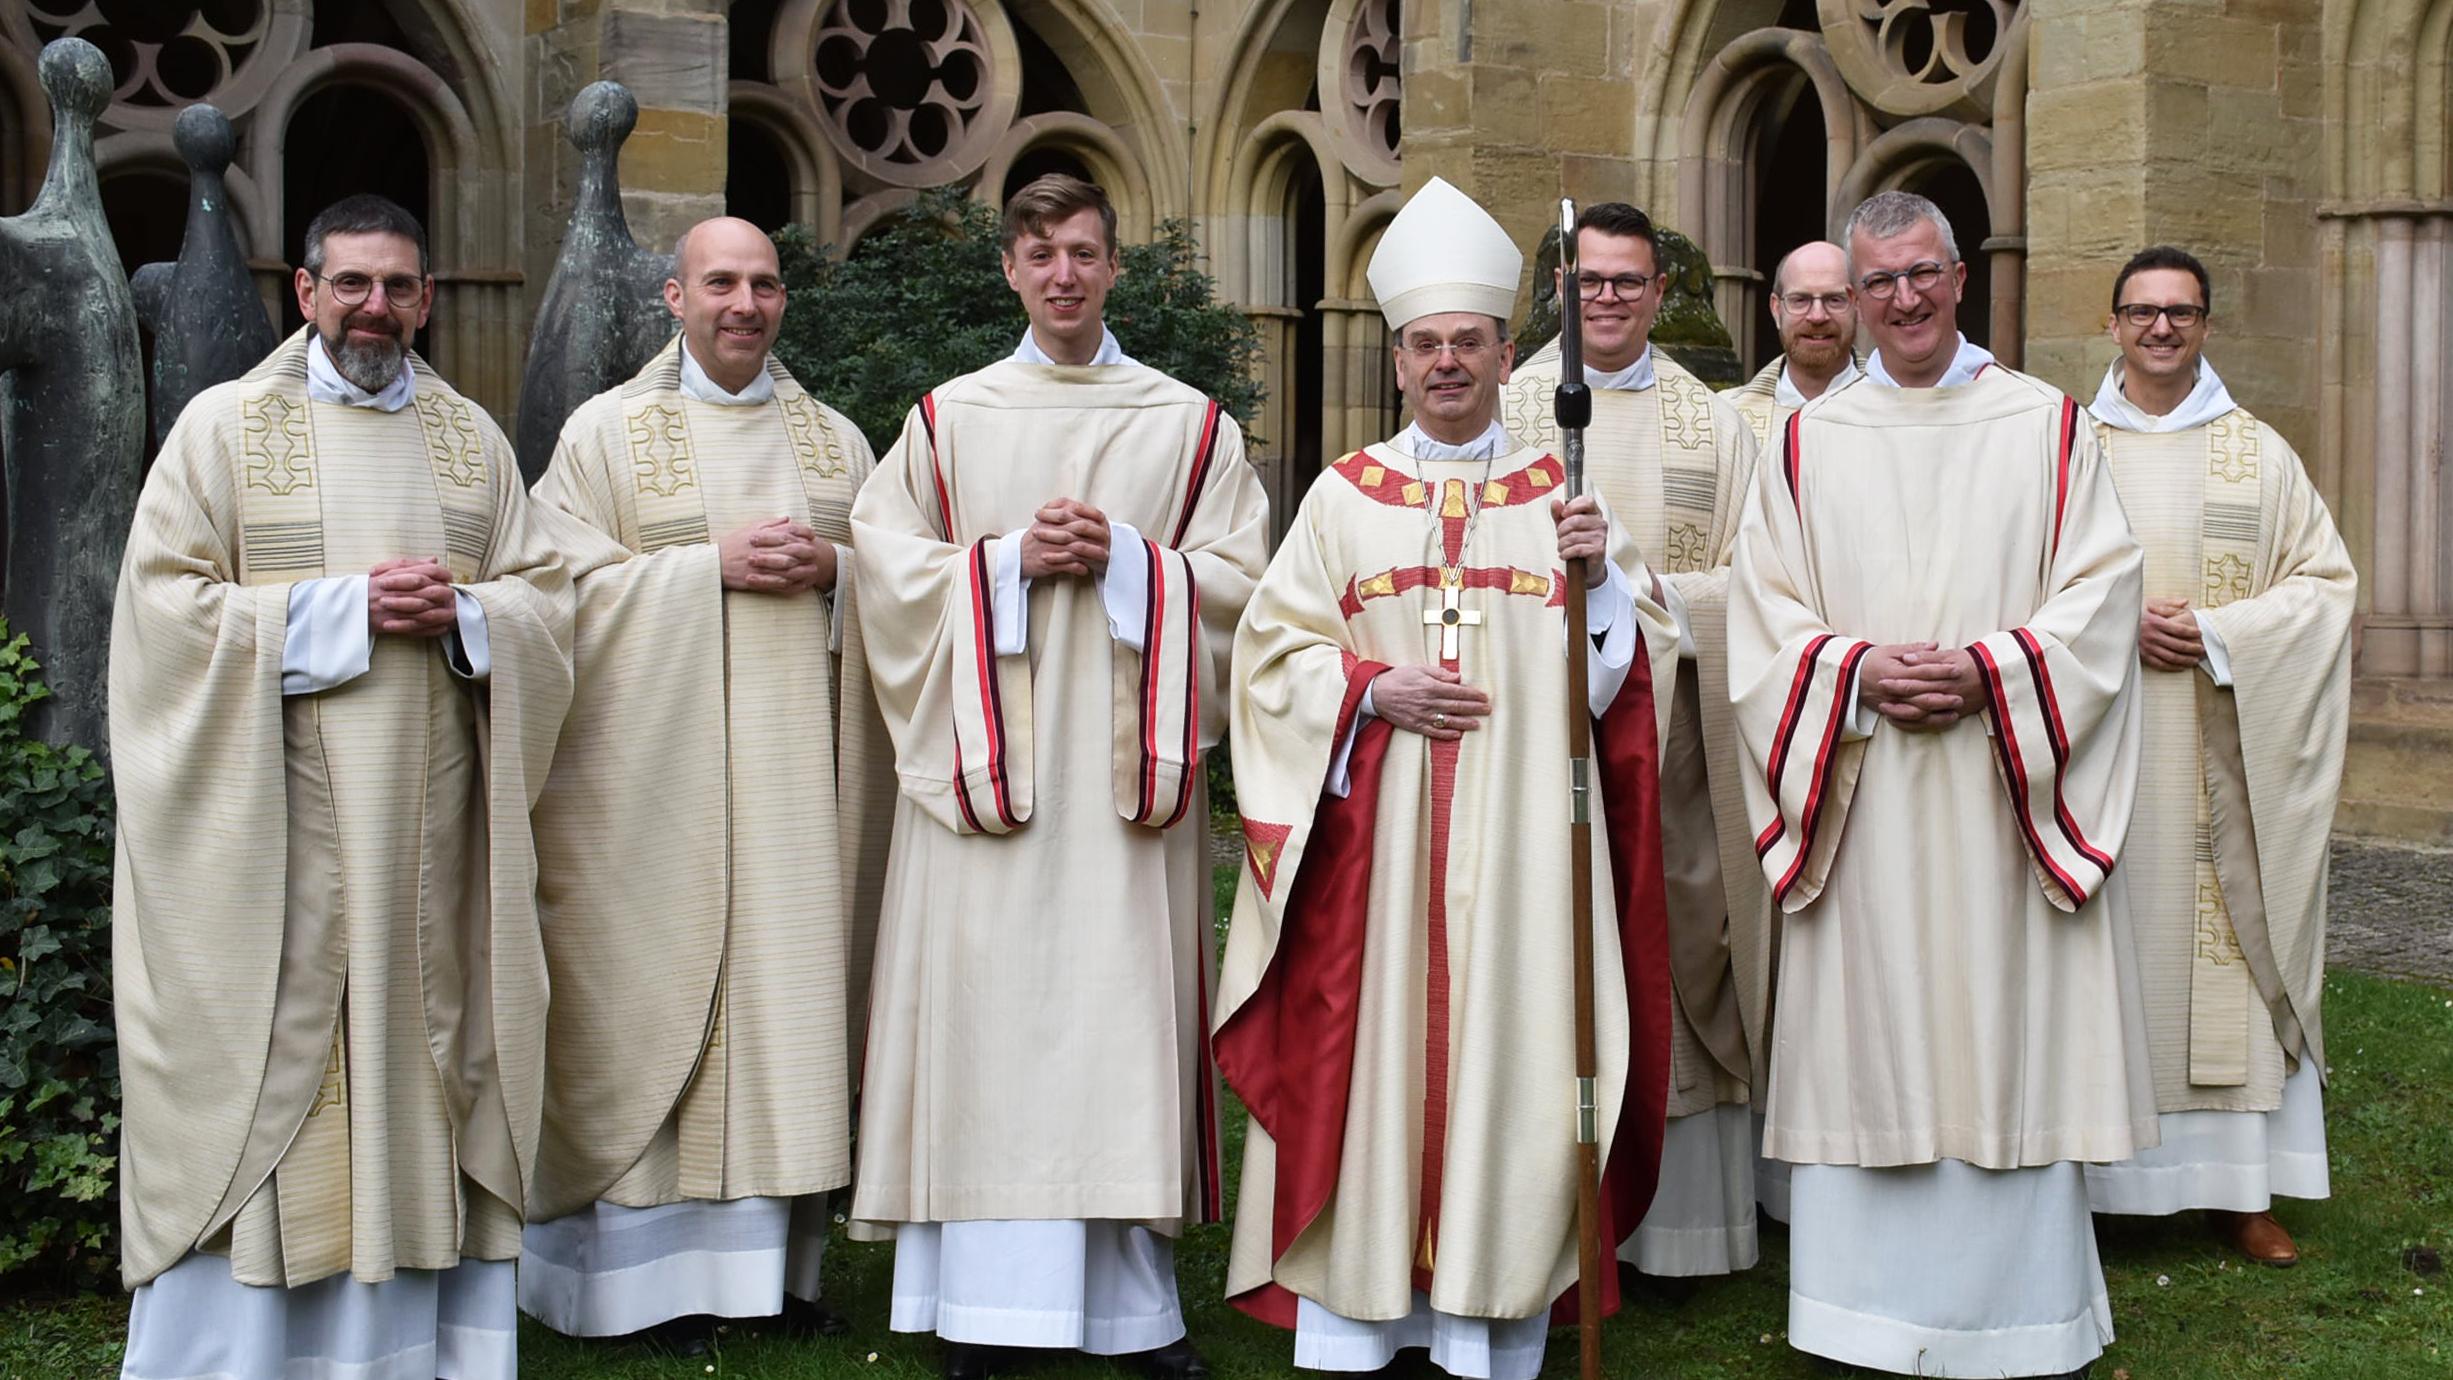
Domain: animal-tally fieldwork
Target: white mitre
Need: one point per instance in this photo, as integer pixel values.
(1444, 253)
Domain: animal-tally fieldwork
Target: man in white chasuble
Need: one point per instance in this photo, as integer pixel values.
(1817, 323)
(2246, 643)
(1933, 648)
(1051, 563)
(712, 837)
(1397, 994)
(1677, 463)
(340, 657)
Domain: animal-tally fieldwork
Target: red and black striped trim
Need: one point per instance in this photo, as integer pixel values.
(1202, 457)
(992, 695)
(1826, 759)
(1192, 707)
(936, 467)
(2061, 469)
(2006, 744)
(1791, 452)
(1789, 713)
(1153, 606)
(2057, 736)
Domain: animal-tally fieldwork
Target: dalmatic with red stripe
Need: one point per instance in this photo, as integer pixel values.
(1957, 980)
(1037, 1039)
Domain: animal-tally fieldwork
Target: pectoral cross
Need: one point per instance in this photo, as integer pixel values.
(1449, 618)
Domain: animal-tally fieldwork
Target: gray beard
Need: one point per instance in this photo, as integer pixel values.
(371, 367)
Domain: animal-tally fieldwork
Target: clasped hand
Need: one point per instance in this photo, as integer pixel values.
(410, 596)
(1920, 686)
(1066, 537)
(777, 556)
(2168, 636)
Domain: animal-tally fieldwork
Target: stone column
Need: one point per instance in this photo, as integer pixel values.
(674, 58)
(2187, 122)
(1520, 102)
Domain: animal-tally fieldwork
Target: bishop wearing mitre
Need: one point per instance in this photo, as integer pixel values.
(1398, 984)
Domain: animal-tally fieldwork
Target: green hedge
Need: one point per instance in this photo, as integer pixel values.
(59, 1068)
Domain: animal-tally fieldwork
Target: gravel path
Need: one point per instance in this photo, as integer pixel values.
(2392, 911)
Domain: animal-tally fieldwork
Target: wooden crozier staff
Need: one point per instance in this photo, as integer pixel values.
(1573, 404)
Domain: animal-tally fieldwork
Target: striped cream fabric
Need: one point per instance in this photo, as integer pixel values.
(1036, 1032)
(1956, 973)
(1675, 462)
(1758, 402)
(2227, 855)
(330, 988)
(702, 888)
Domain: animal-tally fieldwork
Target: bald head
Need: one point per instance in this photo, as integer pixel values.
(1820, 260)
(1816, 317)
(720, 235)
(727, 290)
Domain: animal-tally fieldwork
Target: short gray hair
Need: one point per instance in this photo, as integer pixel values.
(1886, 215)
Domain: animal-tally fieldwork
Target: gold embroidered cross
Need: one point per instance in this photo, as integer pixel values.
(1449, 619)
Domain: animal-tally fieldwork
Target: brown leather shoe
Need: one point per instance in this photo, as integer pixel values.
(2256, 1235)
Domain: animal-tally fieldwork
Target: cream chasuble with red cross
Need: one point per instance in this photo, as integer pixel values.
(1396, 991)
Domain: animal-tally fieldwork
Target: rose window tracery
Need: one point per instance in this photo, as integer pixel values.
(1374, 85)
(909, 88)
(167, 54)
(1919, 57)
(1362, 86)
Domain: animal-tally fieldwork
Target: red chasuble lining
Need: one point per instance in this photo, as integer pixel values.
(1289, 1051)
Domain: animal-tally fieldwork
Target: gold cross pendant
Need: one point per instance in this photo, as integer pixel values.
(1449, 619)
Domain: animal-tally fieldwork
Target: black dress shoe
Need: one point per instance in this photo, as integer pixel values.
(965, 1361)
(808, 1318)
(690, 1335)
(1174, 1361)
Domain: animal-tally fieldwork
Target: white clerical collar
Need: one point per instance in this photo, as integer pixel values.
(1786, 395)
(696, 384)
(2208, 400)
(1635, 378)
(1028, 352)
(325, 384)
(1417, 443)
(1964, 367)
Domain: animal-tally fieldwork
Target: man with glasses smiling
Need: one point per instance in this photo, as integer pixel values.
(338, 664)
(1817, 322)
(1675, 462)
(1933, 644)
(2245, 637)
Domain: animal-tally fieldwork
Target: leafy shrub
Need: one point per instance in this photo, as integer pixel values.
(925, 299)
(59, 1068)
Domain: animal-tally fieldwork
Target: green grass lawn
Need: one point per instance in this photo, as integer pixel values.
(2355, 1308)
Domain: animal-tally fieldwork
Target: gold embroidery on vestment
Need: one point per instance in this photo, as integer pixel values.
(275, 445)
(660, 451)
